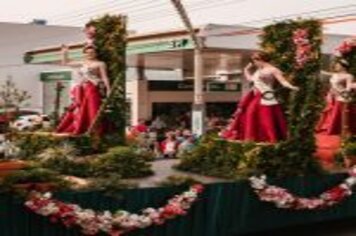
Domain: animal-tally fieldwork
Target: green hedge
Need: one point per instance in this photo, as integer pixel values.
(31, 144)
(233, 160)
(123, 161)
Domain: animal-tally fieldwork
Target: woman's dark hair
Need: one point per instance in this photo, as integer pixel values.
(88, 47)
(89, 24)
(261, 56)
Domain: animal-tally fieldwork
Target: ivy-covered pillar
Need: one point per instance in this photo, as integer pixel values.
(110, 43)
(295, 48)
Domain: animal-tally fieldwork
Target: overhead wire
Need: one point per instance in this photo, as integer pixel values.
(300, 14)
(334, 14)
(324, 21)
(102, 7)
(329, 21)
(167, 12)
(348, 7)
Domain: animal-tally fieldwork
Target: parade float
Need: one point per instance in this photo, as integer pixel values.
(75, 185)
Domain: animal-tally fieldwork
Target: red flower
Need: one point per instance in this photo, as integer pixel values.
(336, 194)
(199, 188)
(300, 33)
(172, 210)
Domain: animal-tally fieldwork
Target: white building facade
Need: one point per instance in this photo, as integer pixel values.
(18, 38)
(160, 67)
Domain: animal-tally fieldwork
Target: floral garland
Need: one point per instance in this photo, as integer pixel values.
(303, 47)
(119, 223)
(282, 198)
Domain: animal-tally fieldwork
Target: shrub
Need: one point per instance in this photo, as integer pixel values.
(63, 159)
(32, 175)
(110, 185)
(349, 149)
(225, 159)
(123, 161)
(32, 144)
(215, 157)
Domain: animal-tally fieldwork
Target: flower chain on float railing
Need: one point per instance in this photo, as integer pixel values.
(119, 223)
(282, 198)
(303, 47)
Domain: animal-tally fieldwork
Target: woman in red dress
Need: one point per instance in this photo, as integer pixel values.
(341, 83)
(86, 97)
(259, 116)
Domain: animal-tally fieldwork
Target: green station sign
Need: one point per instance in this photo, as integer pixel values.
(55, 76)
(168, 45)
(132, 49)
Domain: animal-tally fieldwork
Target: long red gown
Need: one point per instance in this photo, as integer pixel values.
(330, 122)
(86, 101)
(258, 118)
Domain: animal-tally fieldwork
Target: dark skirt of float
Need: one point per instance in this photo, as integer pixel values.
(330, 122)
(82, 112)
(256, 122)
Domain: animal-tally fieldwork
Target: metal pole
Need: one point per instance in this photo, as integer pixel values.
(198, 77)
(198, 105)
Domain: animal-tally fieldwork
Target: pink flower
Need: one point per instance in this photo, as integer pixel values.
(172, 210)
(344, 48)
(199, 188)
(300, 33)
(306, 203)
(303, 47)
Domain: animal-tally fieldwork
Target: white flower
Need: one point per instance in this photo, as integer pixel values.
(149, 211)
(49, 209)
(351, 181)
(258, 183)
(105, 221)
(47, 195)
(121, 213)
(190, 194)
(344, 186)
(144, 222)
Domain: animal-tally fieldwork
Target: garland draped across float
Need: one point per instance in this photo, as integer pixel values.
(282, 198)
(119, 223)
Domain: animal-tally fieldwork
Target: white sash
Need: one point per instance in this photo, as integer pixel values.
(266, 89)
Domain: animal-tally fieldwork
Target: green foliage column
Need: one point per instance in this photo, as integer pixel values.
(110, 42)
(303, 107)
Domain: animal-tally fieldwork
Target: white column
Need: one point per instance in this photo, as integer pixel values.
(140, 100)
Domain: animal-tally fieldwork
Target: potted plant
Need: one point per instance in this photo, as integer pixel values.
(8, 151)
(9, 167)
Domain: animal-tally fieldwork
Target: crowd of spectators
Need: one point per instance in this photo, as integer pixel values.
(167, 139)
